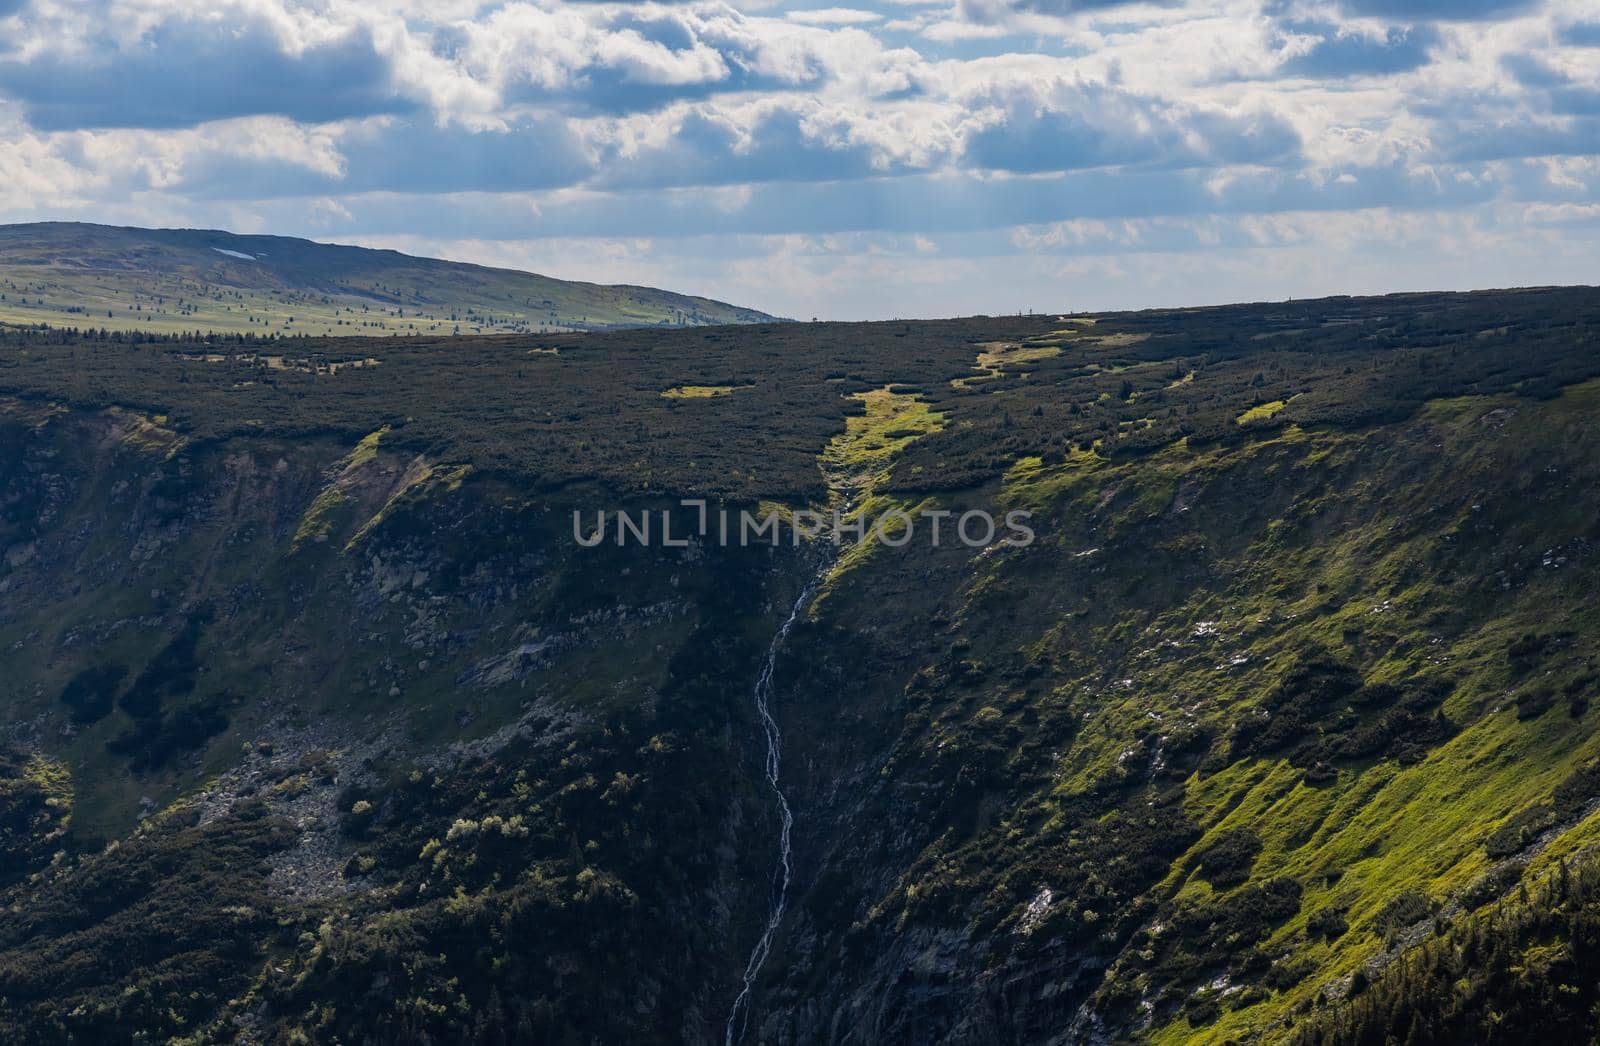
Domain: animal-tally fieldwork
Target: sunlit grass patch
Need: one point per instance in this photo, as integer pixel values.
(857, 460)
(702, 392)
(318, 522)
(998, 355)
(856, 457)
(1261, 412)
(1032, 484)
(1116, 341)
(149, 433)
(1004, 353)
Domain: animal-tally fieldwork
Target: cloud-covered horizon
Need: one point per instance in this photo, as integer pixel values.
(895, 157)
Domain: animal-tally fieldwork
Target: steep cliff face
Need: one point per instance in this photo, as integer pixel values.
(320, 730)
(409, 688)
(1178, 768)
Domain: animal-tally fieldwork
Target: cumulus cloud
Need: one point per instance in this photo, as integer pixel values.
(1325, 51)
(184, 72)
(995, 10)
(1476, 142)
(1560, 92)
(786, 142)
(1031, 127)
(780, 132)
(397, 155)
(1443, 10)
(834, 16)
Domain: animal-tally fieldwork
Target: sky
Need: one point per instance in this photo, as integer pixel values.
(889, 158)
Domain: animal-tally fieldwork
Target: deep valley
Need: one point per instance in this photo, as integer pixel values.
(320, 726)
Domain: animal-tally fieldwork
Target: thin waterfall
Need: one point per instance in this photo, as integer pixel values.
(762, 694)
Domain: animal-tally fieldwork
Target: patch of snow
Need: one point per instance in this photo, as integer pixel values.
(234, 254)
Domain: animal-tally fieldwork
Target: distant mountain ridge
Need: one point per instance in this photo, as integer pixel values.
(173, 280)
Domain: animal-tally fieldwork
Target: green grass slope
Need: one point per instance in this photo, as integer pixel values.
(163, 281)
(1240, 727)
(322, 728)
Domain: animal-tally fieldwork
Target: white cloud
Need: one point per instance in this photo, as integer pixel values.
(817, 141)
(834, 16)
